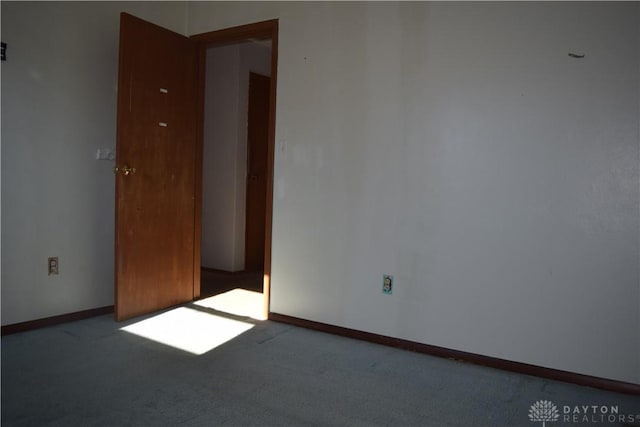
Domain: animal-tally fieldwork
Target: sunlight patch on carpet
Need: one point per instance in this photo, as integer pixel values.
(189, 330)
(240, 302)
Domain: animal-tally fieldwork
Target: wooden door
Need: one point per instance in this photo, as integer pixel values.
(257, 144)
(156, 135)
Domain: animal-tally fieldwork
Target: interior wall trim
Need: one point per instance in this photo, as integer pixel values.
(477, 359)
(217, 271)
(55, 320)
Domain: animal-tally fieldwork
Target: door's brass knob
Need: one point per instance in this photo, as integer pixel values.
(126, 170)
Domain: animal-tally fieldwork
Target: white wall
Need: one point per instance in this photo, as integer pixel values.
(58, 108)
(219, 184)
(458, 147)
(225, 151)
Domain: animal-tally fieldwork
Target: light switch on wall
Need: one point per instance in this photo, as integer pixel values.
(105, 154)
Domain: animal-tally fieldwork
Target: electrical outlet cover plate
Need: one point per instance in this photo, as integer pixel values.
(52, 265)
(387, 284)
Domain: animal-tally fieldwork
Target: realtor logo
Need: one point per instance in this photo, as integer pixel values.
(543, 410)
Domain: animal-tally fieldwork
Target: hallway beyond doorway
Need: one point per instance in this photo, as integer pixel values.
(214, 282)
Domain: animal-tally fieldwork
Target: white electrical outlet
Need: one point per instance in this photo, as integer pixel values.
(387, 284)
(53, 265)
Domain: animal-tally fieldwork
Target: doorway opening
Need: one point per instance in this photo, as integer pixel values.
(237, 87)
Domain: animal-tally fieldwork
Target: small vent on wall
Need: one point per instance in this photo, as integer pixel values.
(3, 51)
